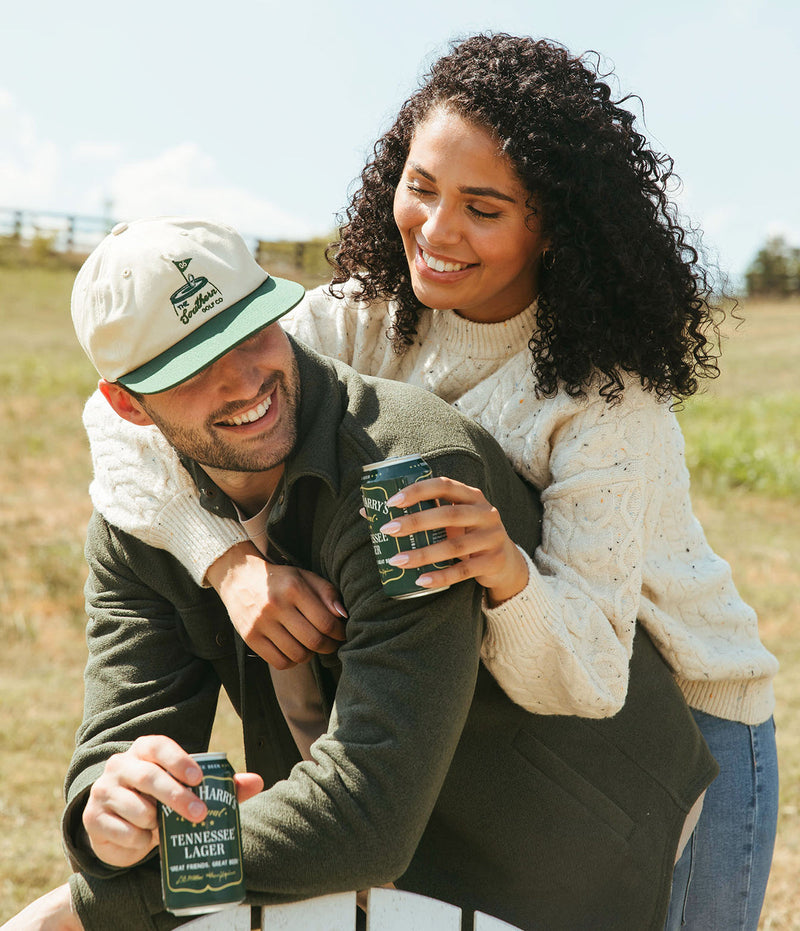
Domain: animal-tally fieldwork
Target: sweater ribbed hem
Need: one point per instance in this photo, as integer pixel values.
(195, 536)
(750, 701)
(510, 624)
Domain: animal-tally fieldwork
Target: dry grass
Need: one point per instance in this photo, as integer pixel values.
(44, 472)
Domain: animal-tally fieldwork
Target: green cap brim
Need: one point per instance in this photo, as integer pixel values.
(268, 303)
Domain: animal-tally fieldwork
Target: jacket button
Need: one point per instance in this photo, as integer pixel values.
(221, 640)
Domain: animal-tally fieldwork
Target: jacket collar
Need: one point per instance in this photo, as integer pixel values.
(322, 402)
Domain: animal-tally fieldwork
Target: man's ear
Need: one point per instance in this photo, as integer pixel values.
(124, 403)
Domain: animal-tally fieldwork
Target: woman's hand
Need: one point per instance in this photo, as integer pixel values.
(476, 537)
(282, 613)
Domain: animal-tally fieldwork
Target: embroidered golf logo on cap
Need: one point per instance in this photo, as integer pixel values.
(197, 294)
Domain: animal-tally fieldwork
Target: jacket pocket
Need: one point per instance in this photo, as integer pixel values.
(206, 629)
(568, 780)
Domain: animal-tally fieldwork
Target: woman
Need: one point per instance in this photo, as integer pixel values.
(512, 189)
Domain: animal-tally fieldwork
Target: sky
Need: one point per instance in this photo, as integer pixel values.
(263, 113)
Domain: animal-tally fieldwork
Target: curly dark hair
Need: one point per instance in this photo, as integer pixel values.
(626, 292)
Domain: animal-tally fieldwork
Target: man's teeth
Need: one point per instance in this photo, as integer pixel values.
(250, 416)
(439, 266)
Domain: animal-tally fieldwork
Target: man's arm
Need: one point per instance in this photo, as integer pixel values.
(141, 676)
(353, 817)
(408, 673)
(53, 911)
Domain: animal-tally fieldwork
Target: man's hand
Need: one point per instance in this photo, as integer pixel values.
(283, 614)
(120, 817)
(51, 912)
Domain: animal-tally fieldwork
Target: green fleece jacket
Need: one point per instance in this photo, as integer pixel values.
(428, 774)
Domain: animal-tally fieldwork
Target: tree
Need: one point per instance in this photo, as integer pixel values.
(775, 271)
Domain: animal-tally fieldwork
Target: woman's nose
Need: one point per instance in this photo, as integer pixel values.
(441, 226)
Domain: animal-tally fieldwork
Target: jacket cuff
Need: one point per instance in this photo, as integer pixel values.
(129, 900)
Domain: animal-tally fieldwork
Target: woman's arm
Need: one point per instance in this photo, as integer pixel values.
(141, 487)
(562, 644)
(550, 640)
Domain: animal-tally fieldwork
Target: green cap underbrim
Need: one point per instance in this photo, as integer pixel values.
(268, 303)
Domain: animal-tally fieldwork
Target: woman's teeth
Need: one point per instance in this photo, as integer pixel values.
(439, 266)
(249, 416)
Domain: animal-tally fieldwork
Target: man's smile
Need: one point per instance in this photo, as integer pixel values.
(255, 413)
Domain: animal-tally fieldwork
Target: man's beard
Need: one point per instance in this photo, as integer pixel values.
(208, 448)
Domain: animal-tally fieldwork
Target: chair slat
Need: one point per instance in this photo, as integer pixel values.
(393, 910)
(487, 923)
(324, 913)
(231, 919)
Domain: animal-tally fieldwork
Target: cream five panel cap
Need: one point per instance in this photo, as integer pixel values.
(161, 298)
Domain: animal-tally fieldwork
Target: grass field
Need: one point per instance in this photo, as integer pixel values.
(743, 448)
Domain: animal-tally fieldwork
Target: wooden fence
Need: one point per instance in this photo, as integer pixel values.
(63, 232)
(78, 234)
(386, 910)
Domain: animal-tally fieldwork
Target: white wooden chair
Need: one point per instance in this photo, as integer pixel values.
(387, 910)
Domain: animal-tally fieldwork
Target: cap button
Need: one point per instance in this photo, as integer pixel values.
(119, 228)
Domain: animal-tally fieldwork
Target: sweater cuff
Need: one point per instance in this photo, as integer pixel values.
(193, 535)
(509, 625)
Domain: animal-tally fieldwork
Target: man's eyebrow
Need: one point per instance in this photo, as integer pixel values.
(474, 191)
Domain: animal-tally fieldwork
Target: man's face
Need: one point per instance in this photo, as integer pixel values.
(240, 413)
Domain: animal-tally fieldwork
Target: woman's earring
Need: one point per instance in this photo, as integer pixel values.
(548, 260)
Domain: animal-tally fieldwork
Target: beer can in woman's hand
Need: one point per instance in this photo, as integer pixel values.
(379, 482)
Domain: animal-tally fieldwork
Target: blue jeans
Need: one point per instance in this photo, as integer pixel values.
(719, 882)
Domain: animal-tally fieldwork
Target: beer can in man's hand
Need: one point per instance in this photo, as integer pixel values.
(379, 482)
(201, 864)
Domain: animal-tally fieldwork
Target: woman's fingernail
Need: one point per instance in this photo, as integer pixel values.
(396, 500)
(197, 810)
(391, 527)
(339, 608)
(399, 560)
(425, 581)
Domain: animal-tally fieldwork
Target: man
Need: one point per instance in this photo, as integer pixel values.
(427, 774)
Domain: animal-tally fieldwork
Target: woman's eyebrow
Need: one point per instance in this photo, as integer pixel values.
(487, 192)
(421, 171)
(474, 191)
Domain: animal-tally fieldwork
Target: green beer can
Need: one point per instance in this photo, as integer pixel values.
(201, 864)
(379, 482)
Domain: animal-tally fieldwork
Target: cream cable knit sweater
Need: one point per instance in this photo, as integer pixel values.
(620, 541)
